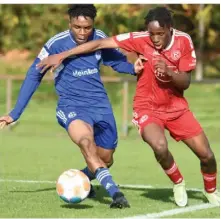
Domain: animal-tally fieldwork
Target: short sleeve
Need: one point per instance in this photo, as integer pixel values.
(44, 53)
(187, 61)
(129, 42)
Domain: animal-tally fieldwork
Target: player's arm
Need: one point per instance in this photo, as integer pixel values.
(118, 61)
(179, 79)
(187, 63)
(124, 41)
(56, 60)
(29, 86)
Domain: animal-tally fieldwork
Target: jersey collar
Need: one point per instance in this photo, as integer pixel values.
(171, 42)
(72, 36)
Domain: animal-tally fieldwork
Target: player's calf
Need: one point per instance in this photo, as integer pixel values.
(105, 179)
(91, 177)
(88, 173)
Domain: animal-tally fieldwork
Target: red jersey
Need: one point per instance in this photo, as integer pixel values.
(154, 91)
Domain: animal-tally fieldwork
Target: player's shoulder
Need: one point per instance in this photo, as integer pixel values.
(140, 34)
(183, 36)
(135, 36)
(99, 34)
(141, 37)
(58, 38)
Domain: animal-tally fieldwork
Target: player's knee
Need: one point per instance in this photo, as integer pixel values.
(209, 159)
(106, 156)
(110, 163)
(108, 160)
(160, 147)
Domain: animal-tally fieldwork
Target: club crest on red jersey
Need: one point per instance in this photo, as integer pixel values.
(176, 55)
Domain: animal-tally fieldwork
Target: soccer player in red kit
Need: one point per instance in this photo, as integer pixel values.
(159, 103)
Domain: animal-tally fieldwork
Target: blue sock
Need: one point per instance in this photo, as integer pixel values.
(88, 173)
(105, 179)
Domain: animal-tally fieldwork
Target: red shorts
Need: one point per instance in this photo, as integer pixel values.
(181, 125)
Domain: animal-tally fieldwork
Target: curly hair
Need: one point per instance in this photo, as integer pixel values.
(86, 10)
(160, 14)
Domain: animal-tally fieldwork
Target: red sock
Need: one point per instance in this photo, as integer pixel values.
(209, 180)
(174, 174)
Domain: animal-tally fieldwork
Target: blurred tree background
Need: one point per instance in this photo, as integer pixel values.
(28, 27)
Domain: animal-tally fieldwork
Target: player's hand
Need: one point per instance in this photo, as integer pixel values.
(51, 62)
(161, 66)
(138, 65)
(5, 120)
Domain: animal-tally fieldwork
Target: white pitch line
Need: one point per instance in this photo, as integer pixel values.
(153, 187)
(145, 216)
(27, 181)
(173, 211)
(120, 185)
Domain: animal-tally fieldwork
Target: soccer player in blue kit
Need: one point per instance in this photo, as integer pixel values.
(83, 107)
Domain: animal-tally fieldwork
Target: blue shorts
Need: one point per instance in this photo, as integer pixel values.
(105, 130)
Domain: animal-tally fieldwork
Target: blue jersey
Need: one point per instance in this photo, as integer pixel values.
(77, 79)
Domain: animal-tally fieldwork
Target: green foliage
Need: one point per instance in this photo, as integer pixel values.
(187, 18)
(30, 26)
(24, 26)
(125, 18)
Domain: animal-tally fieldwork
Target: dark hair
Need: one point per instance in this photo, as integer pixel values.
(160, 14)
(82, 10)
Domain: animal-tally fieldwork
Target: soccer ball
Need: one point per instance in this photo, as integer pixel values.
(73, 186)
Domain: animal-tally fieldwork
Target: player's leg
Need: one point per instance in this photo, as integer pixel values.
(106, 139)
(81, 133)
(188, 129)
(107, 157)
(200, 146)
(101, 173)
(79, 126)
(105, 154)
(154, 136)
(152, 132)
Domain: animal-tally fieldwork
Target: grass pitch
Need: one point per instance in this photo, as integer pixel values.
(38, 149)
